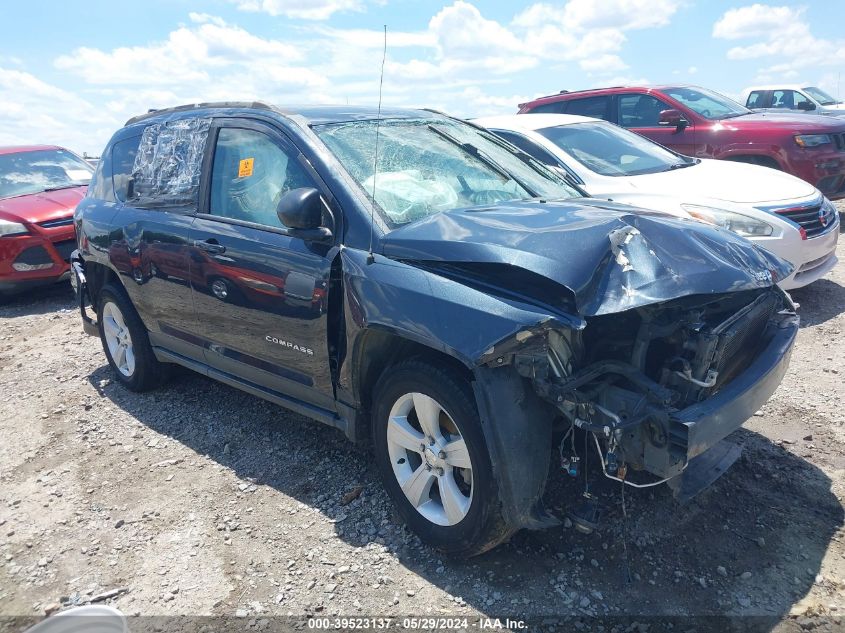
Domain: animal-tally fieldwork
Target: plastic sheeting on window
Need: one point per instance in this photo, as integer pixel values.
(168, 164)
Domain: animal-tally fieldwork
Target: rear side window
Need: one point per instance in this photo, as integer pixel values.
(755, 99)
(123, 159)
(555, 107)
(595, 107)
(168, 165)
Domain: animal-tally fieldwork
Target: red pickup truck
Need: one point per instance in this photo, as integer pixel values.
(699, 122)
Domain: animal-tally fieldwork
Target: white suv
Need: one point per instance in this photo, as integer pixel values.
(792, 97)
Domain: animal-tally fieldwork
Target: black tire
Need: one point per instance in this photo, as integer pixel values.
(483, 527)
(148, 372)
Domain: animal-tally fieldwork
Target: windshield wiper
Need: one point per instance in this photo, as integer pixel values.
(60, 187)
(538, 165)
(473, 151)
(682, 165)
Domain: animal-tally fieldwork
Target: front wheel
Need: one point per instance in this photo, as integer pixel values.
(433, 459)
(126, 343)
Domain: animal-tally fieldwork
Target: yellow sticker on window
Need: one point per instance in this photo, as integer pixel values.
(245, 167)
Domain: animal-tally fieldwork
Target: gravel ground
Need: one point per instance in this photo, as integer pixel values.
(199, 499)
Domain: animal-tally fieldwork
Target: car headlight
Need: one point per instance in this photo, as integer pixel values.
(812, 140)
(736, 222)
(12, 228)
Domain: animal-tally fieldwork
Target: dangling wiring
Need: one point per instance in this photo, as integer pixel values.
(630, 483)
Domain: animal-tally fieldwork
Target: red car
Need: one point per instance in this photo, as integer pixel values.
(40, 187)
(699, 122)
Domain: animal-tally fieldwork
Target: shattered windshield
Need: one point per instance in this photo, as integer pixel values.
(430, 165)
(25, 173)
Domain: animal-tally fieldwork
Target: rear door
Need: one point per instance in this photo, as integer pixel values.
(260, 295)
(640, 113)
(150, 251)
(597, 107)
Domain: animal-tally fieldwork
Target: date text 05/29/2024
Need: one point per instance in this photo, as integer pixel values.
(417, 624)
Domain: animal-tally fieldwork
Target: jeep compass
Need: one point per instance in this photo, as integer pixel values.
(426, 288)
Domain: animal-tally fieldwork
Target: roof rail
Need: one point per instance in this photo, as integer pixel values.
(565, 92)
(258, 105)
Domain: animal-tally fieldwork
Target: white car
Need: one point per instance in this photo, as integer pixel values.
(782, 213)
(792, 97)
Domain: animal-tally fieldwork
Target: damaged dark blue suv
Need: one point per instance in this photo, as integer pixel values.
(427, 288)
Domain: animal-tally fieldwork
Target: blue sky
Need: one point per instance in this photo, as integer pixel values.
(71, 72)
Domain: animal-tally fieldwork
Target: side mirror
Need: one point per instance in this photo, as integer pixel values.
(806, 106)
(673, 118)
(301, 212)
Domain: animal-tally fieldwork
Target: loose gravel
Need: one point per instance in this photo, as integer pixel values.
(199, 499)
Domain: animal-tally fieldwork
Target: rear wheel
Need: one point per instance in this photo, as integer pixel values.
(434, 461)
(126, 343)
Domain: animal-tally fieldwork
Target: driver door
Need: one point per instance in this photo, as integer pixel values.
(641, 114)
(260, 295)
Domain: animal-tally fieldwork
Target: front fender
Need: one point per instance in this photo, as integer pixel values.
(741, 150)
(445, 315)
(477, 330)
(517, 426)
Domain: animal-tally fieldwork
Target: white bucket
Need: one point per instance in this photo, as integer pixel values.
(86, 619)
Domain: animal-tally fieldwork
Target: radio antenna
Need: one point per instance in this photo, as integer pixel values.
(371, 258)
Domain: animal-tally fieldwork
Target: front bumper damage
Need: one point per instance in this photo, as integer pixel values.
(640, 430)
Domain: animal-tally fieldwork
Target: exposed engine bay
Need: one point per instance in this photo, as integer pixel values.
(624, 377)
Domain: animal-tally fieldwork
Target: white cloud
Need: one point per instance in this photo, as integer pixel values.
(188, 55)
(366, 38)
(462, 61)
(603, 64)
(302, 9)
(620, 80)
(464, 36)
(781, 32)
(34, 111)
(626, 15)
(754, 21)
(590, 32)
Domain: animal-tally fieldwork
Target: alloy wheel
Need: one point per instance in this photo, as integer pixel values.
(118, 339)
(430, 459)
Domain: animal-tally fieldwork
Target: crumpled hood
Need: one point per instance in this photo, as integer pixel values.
(611, 257)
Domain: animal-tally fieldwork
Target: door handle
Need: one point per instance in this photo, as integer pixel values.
(210, 246)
